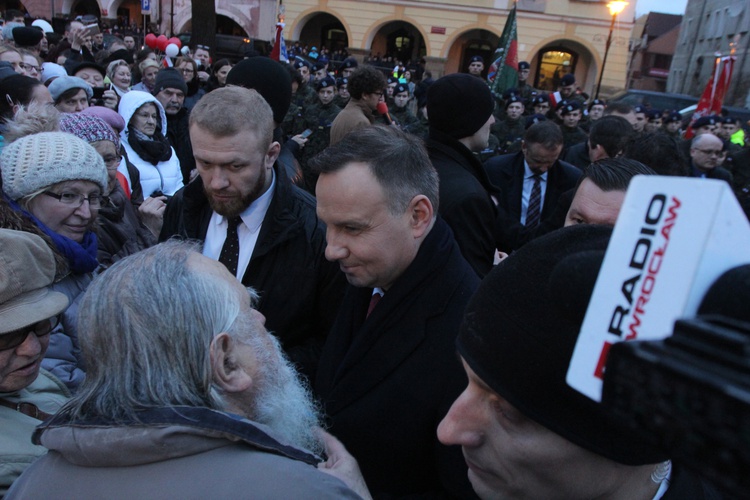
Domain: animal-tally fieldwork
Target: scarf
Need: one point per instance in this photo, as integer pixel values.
(81, 257)
(151, 149)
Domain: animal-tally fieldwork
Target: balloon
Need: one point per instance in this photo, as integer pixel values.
(161, 42)
(185, 50)
(172, 50)
(176, 41)
(151, 41)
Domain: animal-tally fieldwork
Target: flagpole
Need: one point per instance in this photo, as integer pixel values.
(614, 9)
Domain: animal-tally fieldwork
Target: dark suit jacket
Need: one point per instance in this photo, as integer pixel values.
(506, 172)
(387, 381)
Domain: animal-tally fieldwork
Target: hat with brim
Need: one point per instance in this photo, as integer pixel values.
(27, 268)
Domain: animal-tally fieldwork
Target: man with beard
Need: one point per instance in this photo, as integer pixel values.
(170, 89)
(252, 219)
(186, 393)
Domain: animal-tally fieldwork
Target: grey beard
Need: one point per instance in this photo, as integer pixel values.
(284, 403)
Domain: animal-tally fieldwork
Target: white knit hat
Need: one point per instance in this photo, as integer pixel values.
(37, 161)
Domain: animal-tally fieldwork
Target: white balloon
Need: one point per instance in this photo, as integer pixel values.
(172, 50)
(185, 50)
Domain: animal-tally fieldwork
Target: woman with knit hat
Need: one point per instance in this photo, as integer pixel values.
(57, 181)
(120, 231)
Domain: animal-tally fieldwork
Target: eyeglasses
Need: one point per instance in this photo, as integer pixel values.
(30, 67)
(17, 337)
(75, 199)
(710, 152)
(112, 162)
(187, 70)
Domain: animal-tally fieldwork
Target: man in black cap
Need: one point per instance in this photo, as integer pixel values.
(401, 113)
(318, 118)
(532, 180)
(524, 432)
(348, 66)
(509, 130)
(524, 89)
(568, 90)
(595, 111)
(460, 108)
(572, 133)
(673, 125)
(342, 92)
(640, 118)
(319, 71)
(476, 66)
(654, 121)
(250, 217)
(541, 104)
(170, 90)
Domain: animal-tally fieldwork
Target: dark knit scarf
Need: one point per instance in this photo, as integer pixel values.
(81, 257)
(151, 149)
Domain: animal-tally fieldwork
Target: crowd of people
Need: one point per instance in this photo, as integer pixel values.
(205, 264)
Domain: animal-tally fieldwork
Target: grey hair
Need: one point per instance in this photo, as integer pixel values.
(145, 328)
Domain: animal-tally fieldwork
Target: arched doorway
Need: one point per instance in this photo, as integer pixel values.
(86, 7)
(558, 57)
(398, 41)
(324, 30)
(12, 5)
(554, 63)
(228, 26)
(469, 44)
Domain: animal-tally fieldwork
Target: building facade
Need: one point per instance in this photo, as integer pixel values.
(555, 36)
(711, 27)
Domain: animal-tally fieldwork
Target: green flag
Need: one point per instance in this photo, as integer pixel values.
(503, 72)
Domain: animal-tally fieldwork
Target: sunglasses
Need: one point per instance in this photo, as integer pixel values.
(203, 47)
(17, 337)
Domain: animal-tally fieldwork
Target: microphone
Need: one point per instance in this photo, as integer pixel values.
(383, 110)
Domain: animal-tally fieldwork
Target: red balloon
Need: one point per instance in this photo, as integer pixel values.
(176, 41)
(162, 42)
(151, 41)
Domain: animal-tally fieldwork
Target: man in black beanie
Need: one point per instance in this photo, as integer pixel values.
(524, 432)
(274, 83)
(170, 89)
(459, 108)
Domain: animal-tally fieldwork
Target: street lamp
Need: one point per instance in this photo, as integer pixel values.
(614, 9)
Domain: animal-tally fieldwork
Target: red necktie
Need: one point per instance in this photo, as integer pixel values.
(373, 302)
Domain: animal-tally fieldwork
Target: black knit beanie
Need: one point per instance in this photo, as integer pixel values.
(459, 104)
(519, 331)
(169, 78)
(269, 78)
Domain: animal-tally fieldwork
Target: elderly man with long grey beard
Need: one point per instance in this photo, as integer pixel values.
(187, 396)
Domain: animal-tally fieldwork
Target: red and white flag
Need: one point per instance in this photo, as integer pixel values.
(713, 96)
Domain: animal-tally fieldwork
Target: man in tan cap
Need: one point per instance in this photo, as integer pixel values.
(28, 313)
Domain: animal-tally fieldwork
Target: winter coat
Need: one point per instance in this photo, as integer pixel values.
(179, 453)
(16, 449)
(165, 176)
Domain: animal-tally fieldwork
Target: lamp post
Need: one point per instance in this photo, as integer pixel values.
(614, 9)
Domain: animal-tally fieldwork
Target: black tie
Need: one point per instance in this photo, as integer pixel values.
(230, 252)
(535, 203)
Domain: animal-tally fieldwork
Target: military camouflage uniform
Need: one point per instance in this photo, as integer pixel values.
(318, 118)
(509, 134)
